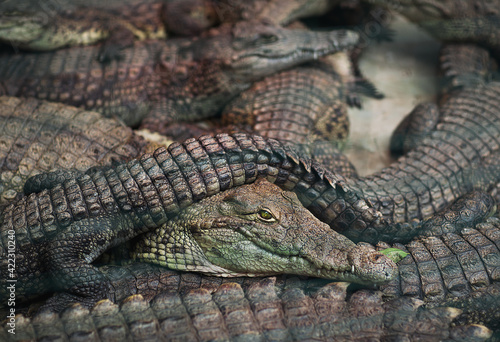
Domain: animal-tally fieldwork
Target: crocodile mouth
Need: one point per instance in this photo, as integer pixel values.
(299, 264)
(260, 64)
(352, 273)
(19, 21)
(306, 52)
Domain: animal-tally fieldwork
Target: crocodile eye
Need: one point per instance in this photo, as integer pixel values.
(266, 216)
(267, 38)
(432, 11)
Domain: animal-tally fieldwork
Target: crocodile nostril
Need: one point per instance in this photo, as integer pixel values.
(377, 258)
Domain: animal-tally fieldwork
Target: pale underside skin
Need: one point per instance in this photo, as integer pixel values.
(258, 230)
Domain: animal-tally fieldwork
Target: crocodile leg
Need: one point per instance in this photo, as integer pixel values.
(467, 211)
(69, 263)
(465, 65)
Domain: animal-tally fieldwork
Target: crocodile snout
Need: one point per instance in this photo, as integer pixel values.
(372, 266)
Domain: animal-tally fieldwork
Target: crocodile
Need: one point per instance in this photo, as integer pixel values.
(258, 229)
(225, 161)
(443, 268)
(462, 66)
(256, 313)
(450, 265)
(125, 197)
(285, 13)
(53, 249)
(31, 25)
(456, 269)
(304, 106)
(195, 16)
(181, 79)
(451, 225)
(464, 21)
(150, 280)
(39, 137)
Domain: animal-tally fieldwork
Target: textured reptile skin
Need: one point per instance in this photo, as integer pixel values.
(231, 313)
(39, 137)
(180, 79)
(32, 25)
(71, 224)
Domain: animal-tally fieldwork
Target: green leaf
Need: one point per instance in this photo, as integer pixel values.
(395, 254)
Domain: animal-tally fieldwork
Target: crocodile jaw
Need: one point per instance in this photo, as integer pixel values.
(292, 48)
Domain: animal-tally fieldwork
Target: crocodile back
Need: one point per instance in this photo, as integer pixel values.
(38, 137)
(75, 77)
(459, 155)
(149, 189)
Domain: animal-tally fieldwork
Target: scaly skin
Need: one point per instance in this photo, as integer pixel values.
(452, 265)
(79, 219)
(194, 16)
(465, 65)
(303, 106)
(296, 106)
(120, 202)
(259, 229)
(190, 17)
(45, 27)
(413, 128)
(173, 80)
(341, 203)
(461, 21)
(460, 154)
(462, 66)
(456, 269)
(149, 280)
(439, 269)
(231, 313)
(38, 137)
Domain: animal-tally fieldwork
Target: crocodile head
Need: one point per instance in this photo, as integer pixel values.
(45, 29)
(251, 50)
(21, 27)
(257, 230)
